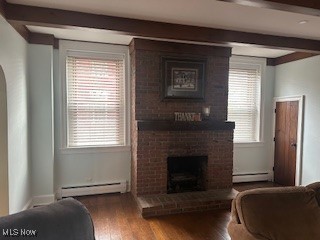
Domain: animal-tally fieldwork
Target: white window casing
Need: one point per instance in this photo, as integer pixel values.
(245, 98)
(95, 96)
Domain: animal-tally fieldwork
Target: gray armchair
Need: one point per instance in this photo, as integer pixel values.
(67, 219)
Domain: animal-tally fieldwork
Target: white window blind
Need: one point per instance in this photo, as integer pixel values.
(95, 102)
(244, 101)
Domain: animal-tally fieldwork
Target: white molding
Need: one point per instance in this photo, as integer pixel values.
(39, 201)
(262, 63)
(90, 150)
(43, 200)
(58, 194)
(97, 49)
(112, 187)
(28, 205)
(288, 98)
(249, 145)
(238, 178)
(300, 99)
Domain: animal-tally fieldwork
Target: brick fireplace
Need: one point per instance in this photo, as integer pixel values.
(157, 137)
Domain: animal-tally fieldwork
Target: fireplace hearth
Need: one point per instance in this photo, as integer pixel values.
(186, 173)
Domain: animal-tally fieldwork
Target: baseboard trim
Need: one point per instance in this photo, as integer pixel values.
(252, 177)
(43, 200)
(111, 187)
(28, 205)
(39, 201)
(58, 194)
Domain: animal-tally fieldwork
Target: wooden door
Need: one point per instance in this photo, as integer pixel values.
(286, 142)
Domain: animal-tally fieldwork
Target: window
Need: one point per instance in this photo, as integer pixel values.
(95, 100)
(244, 99)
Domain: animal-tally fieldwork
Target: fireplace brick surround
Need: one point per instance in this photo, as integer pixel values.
(152, 146)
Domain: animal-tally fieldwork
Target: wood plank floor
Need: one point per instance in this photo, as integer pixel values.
(116, 216)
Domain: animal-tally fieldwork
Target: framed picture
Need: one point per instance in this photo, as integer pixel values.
(183, 78)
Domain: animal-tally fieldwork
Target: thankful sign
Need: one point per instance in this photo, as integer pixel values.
(185, 116)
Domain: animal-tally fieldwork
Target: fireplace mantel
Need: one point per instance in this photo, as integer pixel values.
(169, 125)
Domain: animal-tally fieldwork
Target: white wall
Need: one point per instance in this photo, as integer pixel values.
(76, 168)
(256, 158)
(13, 59)
(303, 78)
(4, 186)
(40, 59)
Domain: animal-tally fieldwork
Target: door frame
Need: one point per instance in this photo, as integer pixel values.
(300, 99)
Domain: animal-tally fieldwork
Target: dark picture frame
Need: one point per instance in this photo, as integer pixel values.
(183, 78)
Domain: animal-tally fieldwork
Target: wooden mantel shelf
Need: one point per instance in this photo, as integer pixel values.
(169, 125)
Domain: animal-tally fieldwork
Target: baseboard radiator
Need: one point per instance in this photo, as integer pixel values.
(120, 187)
(252, 177)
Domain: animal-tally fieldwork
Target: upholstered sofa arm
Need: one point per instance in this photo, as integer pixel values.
(64, 220)
(286, 213)
(236, 229)
(315, 187)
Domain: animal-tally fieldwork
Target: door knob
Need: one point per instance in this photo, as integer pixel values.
(293, 145)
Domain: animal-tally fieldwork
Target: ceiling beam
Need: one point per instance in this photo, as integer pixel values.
(2, 7)
(29, 15)
(30, 37)
(289, 58)
(21, 29)
(308, 7)
(41, 38)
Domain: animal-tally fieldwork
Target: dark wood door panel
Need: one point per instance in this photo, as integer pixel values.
(285, 142)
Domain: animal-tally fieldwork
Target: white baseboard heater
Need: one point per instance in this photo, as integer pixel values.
(94, 189)
(252, 177)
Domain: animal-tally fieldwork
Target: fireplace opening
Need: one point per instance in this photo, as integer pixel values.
(187, 173)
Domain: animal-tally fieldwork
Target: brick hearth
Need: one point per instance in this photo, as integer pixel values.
(163, 204)
(153, 143)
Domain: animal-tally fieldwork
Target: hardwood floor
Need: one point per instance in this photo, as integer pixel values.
(115, 216)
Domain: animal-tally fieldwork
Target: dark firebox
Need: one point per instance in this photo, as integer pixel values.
(187, 173)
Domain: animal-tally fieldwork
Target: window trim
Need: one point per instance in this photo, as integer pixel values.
(262, 62)
(92, 50)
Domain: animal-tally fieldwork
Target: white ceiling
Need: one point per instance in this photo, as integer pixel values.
(208, 13)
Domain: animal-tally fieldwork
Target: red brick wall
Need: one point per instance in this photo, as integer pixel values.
(150, 149)
(148, 104)
(153, 148)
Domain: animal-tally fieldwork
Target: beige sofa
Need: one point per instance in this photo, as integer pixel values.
(284, 213)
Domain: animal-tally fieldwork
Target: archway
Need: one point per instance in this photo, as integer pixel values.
(4, 196)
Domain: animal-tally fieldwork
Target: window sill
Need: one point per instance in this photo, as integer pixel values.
(94, 150)
(248, 144)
